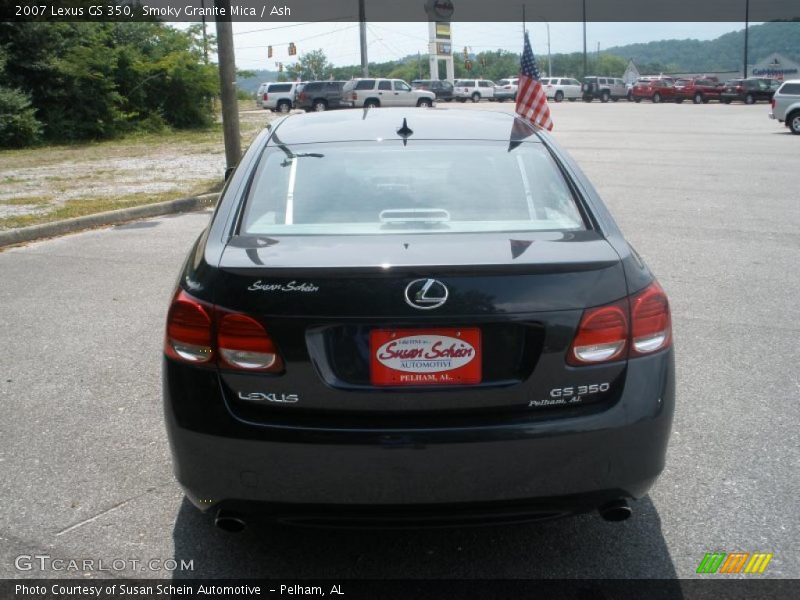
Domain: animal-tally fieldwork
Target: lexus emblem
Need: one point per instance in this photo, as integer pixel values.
(426, 294)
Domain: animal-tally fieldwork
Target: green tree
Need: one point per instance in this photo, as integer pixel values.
(312, 66)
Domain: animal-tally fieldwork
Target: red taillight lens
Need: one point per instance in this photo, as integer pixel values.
(354, 96)
(266, 97)
(244, 344)
(772, 103)
(602, 335)
(651, 324)
(188, 330)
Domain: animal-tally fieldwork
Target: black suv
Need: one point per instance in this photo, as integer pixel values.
(749, 90)
(442, 89)
(320, 95)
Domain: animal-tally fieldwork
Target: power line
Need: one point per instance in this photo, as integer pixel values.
(293, 25)
(297, 40)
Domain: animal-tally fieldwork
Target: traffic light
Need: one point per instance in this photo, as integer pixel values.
(292, 49)
(468, 65)
(269, 51)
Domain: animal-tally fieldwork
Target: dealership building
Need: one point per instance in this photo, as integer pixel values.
(775, 66)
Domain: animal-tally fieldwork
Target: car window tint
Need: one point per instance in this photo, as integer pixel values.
(365, 84)
(384, 85)
(401, 86)
(790, 88)
(351, 188)
(280, 87)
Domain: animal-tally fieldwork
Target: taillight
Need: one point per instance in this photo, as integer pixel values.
(772, 103)
(354, 96)
(241, 342)
(244, 344)
(189, 330)
(636, 326)
(602, 335)
(265, 97)
(651, 328)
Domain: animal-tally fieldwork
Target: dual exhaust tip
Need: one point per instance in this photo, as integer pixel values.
(615, 512)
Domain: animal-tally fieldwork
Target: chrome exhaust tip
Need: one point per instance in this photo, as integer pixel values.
(616, 511)
(230, 522)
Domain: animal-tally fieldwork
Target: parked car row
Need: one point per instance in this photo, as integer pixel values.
(325, 95)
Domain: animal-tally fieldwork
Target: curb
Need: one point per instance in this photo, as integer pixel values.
(113, 217)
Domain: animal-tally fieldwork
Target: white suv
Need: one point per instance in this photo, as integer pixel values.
(376, 92)
(558, 88)
(278, 96)
(473, 89)
(786, 105)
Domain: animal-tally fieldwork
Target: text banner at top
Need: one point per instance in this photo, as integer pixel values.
(402, 10)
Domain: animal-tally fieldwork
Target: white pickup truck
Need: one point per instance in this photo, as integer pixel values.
(786, 105)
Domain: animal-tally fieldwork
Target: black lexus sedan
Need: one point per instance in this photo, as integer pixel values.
(404, 316)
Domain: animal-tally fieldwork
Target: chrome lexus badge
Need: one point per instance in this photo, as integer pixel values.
(426, 294)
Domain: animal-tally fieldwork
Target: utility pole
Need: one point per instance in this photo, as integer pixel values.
(227, 83)
(362, 30)
(746, 28)
(205, 33)
(585, 68)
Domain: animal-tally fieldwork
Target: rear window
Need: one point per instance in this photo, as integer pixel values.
(280, 87)
(313, 87)
(385, 188)
(365, 84)
(790, 88)
(466, 83)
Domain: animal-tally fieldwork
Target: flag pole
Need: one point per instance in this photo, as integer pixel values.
(523, 22)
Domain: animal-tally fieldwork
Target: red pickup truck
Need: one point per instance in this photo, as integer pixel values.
(699, 90)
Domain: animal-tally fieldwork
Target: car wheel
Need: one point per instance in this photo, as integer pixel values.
(656, 98)
(630, 96)
(794, 123)
(424, 103)
(476, 97)
(749, 99)
(320, 105)
(462, 99)
(637, 100)
(604, 97)
(284, 107)
(698, 98)
(372, 103)
(559, 96)
(501, 99)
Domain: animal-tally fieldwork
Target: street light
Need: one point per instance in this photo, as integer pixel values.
(549, 64)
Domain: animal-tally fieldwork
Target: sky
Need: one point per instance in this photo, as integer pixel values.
(392, 41)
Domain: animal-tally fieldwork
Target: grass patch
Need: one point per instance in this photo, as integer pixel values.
(27, 201)
(89, 206)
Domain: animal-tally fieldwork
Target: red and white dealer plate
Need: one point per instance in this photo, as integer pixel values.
(445, 356)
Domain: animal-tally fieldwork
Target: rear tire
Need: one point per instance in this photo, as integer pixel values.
(749, 99)
(284, 107)
(476, 97)
(320, 105)
(559, 96)
(604, 97)
(424, 103)
(656, 98)
(698, 98)
(371, 103)
(793, 121)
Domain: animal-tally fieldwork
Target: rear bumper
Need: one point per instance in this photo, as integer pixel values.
(545, 465)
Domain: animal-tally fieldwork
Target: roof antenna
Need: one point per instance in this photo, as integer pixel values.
(405, 132)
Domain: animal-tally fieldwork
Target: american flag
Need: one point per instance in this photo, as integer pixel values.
(531, 100)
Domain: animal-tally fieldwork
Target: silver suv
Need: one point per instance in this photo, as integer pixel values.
(368, 93)
(786, 105)
(279, 96)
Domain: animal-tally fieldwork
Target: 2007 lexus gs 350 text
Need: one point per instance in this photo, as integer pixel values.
(411, 316)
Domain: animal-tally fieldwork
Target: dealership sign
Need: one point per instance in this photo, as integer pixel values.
(776, 66)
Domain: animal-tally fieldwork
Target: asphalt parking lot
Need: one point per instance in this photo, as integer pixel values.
(708, 194)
